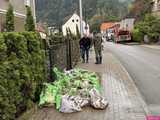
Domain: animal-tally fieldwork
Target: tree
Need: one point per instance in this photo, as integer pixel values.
(9, 26)
(54, 12)
(29, 26)
(140, 8)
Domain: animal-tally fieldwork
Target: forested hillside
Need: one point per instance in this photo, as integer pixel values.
(139, 8)
(55, 12)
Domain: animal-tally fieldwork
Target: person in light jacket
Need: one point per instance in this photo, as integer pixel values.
(97, 42)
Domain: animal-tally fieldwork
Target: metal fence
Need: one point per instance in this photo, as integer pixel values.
(64, 54)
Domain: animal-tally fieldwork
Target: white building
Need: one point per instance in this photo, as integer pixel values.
(72, 23)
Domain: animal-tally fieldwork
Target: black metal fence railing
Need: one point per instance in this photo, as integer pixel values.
(64, 55)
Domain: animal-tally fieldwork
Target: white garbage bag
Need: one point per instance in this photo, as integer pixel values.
(85, 102)
(72, 104)
(68, 105)
(97, 101)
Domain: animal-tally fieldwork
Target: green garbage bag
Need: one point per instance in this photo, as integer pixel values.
(58, 74)
(58, 101)
(95, 82)
(73, 91)
(48, 94)
(77, 83)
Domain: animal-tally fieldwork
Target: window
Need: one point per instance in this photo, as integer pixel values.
(72, 20)
(27, 2)
(77, 20)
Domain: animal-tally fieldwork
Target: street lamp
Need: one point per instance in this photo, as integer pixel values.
(81, 17)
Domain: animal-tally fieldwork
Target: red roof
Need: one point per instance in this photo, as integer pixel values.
(107, 25)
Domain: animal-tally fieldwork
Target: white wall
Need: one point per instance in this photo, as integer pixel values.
(72, 23)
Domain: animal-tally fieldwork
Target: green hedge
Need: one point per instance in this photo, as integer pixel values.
(22, 72)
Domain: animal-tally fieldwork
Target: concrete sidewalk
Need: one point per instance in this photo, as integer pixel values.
(125, 102)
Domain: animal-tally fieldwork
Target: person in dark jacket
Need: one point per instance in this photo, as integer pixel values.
(85, 44)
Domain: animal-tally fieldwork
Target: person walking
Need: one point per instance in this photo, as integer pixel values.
(85, 44)
(97, 42)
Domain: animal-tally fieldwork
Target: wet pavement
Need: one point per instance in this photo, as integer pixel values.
(125, 101)
(143, 64)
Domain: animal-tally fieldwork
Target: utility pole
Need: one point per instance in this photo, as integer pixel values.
(34, 10)
(81, 18)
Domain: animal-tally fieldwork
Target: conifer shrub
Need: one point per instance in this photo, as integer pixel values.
(22, 72)
(9, 25)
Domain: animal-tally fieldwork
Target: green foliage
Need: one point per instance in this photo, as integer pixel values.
(95, 23)
(2, 48)
(22, 72)
(140, 8)
(55, 39)
(29, 26)
(149, 26)
(137, 35)
(9, 25)
(97, 20)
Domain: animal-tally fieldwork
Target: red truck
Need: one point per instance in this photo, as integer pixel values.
(123, 35)
(123, 32)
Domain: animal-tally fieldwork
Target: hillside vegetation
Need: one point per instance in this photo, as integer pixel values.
(55, 12)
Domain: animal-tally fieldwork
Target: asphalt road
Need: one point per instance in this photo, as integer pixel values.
(143, 65)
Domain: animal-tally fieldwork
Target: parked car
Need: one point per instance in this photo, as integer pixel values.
(110, 35)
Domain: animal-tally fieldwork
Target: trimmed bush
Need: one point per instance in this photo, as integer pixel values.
(9, 25)
(22, 72)
(29, 26)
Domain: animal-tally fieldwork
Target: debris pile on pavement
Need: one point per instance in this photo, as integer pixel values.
(73, 90)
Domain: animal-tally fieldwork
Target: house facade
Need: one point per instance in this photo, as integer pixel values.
(19, 12)
(72, 23)
(156, 7)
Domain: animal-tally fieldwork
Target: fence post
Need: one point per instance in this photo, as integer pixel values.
(70, 55)
(68, 52)
(50, 63)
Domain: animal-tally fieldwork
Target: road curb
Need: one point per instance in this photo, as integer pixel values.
(140, 97)
(155, 47)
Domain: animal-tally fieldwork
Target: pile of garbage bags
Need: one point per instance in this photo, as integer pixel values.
(72, 91)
